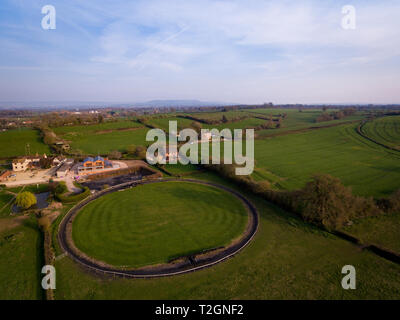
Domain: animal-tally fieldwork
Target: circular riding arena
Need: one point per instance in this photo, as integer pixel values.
(158, 228)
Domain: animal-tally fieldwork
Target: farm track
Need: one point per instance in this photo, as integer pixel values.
(191, 264)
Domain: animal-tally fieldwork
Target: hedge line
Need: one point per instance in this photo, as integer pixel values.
(73, 198)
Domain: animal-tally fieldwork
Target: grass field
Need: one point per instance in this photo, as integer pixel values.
(288, 259)
(21, 261)
(365, 166)
(385, 130)
(242, 124)
(13, 143)
(382, 230)
(66, 131)
(163, 123)
(180, 169)
(5, 207)
(296, 120)
(103, 138)
(130, 229)
(104, 142)
(218, 115)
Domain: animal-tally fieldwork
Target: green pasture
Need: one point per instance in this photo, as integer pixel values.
(384, 130)
(68, 131)
(368, 168)
(383, 230)
(21, 261)
(287, 259)
(130, 228)
(13, 143)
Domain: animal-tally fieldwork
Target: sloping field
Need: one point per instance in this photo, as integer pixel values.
(103, 138)
(5, 205)
(67, 131)
(106, 142)
(383, 230)
(163, 123)
(183, 123)
(287, 259)
(218, 115)
(369, 168)
(242, 124)
(384, 130)
(13, 143)
(296, 120)
(21, 262)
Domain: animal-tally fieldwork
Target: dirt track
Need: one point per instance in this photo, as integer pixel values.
(190, 264)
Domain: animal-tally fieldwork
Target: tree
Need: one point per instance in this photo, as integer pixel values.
(140, 152)
(45, 163)
(115, 155)
(327, 202)
(196, 126)
(25, 200)
(131, 149)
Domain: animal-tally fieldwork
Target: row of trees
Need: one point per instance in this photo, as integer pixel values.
(132, 151)
(336, 115)
(54, 119)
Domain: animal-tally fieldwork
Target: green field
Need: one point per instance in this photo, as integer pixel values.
(13, 143)
(103, 138)
(242, 124)
(180, 169)
(296, 120)
(5, 206)
(82, 130)
(163, 123)
(288, 259)
(384, 130)
(218, 115)
(383, 230)
(21, 261)
(130, 229)
(365, 166)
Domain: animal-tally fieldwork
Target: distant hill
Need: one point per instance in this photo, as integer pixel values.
(100, 104)
(180, 103)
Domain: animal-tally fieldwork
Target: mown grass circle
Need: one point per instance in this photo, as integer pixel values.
(154, 223)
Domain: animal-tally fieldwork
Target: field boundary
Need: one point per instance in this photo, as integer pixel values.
(191, 264)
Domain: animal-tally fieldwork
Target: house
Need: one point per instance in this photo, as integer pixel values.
(28, 162)
(63, 170)
(93, 164)
(5, 175)
(20, 164)
(58, 160)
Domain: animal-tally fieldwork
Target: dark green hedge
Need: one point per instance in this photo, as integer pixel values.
(74, 198)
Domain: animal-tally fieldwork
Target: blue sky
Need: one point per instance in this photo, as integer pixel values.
(250, 51)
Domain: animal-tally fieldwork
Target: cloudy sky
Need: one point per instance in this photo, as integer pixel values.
(244, 51)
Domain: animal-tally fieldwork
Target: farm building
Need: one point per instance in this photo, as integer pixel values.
(93, 164)
(5, 175)
(21, 164)
(63, 170)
